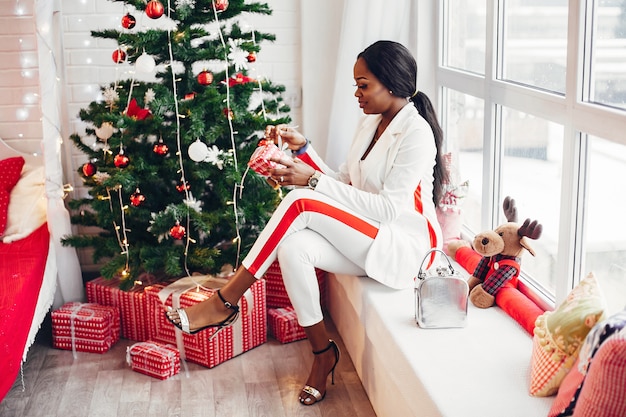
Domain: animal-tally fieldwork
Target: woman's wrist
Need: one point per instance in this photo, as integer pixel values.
(302, 149)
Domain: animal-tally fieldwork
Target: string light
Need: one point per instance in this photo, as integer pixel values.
(121, 230)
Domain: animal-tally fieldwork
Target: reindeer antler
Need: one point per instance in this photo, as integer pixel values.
(510, 210)
(531, 230)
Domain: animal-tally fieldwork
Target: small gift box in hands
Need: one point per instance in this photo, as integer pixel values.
(260, 161)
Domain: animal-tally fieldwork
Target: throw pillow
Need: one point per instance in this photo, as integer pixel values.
(10, 171)
(27, 206)
(604, 390)
(572, 386)
(559, 335)
(567, 392)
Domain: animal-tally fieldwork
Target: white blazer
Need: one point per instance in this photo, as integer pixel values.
(383, 188)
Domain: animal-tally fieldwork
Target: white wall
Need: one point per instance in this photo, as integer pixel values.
(20, 114)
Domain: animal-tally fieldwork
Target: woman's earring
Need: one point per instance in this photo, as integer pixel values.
(390, 92)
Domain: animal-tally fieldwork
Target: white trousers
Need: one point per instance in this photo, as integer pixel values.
(310, 230)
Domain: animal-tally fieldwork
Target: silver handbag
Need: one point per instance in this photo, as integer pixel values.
(440, 296)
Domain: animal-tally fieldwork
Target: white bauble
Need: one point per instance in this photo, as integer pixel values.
(145, 63)
(198, 151)
(105, 131)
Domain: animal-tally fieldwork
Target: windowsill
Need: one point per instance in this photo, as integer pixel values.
(482, 369)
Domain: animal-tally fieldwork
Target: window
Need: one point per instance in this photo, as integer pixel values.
(465, 35)
(608, 53)
(463, 127)
(540, 120)
(531, 174)
(605, 227)
(534, 43)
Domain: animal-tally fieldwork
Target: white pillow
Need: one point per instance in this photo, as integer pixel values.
(27, 205)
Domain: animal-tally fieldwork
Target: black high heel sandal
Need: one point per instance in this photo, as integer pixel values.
(183, 323)
(314, 392)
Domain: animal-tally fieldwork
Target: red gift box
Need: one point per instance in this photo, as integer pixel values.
(85, 327)
(131, 304)
(283, 325)
(154, 359)
(277, 294)
(248, 331)
(260, 160)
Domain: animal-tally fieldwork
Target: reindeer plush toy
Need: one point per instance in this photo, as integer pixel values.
(501, 251)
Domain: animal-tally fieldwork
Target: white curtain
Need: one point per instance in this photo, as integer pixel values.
(69, 283)
(363, 23)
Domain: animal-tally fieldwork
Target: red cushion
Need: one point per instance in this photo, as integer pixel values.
(567, 389)
(521, 308)
(604, 391)
(10, 171)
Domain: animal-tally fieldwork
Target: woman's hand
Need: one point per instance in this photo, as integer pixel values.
(295, 172)
(294, 139)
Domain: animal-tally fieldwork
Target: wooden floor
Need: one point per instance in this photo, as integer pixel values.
(264, 381)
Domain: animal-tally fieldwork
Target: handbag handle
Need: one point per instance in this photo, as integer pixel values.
(422, 274)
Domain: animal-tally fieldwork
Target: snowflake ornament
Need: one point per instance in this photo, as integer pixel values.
(110, 96)
(193, 204)
(213, 156)
(149, 96)
(238, 56)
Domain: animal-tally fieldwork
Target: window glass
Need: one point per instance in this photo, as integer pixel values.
(464, 26)
(608, 54)
(464, 139)
(605, 227)
(531, 174)
(534, 47)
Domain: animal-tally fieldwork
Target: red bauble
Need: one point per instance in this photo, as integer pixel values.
(154, 9)
(160, 148)
(221, 5)
(205, 77)
(118, 56)
(177, 232)
(128, 21)
(89, 169)
(137, 199)
(121, 160)
(182, 186)
(251, 57)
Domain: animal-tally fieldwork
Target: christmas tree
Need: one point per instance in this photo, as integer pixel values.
(167, 179)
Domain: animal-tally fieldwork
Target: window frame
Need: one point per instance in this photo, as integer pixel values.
(579, 117)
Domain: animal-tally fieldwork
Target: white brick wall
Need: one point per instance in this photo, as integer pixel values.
(20, 114)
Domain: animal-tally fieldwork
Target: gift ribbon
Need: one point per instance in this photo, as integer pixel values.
(183, 285)
(238, 325)
(74, 309)
(176, 289)
(152, 347)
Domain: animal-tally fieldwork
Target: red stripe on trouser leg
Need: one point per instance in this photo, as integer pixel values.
(292, 212)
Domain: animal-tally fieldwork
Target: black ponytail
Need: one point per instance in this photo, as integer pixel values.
(426, 110)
